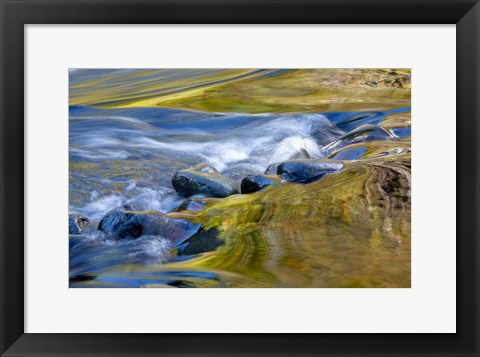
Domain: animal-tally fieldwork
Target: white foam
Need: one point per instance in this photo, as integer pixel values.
(100, 154)
(290, 146)
(148, 249)
(96, 210)
(146, 198)
(240, 150)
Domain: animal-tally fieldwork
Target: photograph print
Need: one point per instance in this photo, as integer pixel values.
(239, 178)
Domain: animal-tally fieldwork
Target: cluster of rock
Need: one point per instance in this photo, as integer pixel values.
(205, 181)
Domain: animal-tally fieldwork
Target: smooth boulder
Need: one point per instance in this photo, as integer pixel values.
(190, 205)
(306, 171)
(254, 183)
(203, 180)
(125, 224)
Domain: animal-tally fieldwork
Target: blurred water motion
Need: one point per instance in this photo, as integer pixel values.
(349, 229)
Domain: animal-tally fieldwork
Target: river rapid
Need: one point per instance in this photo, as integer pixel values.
(124, 157)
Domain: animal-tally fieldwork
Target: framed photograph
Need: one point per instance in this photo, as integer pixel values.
(239, 178)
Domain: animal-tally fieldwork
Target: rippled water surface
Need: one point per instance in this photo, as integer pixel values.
(348, 229)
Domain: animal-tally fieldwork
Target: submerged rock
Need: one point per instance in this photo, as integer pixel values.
(203, 179)
(190, 205)
(254, 183)
(271, 169)
(348, 121)
(124, 224)
(361, 134)
(367, 132)
(401, 132)
(203, 241)
(76, 223)
(350, 153)
(305, 171)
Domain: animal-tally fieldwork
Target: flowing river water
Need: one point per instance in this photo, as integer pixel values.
(348, 229)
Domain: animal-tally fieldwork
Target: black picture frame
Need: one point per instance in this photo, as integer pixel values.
(17, 13)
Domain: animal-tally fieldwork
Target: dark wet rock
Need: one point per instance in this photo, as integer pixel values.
(350, 153)
(76, 224)
(204, 180)
(361, 134)
(254, 183)
(124, 224)
(305, 171)
(203, 241)
(191, 205)
(271, 169)
(113, 220)
(132, 228)
(130, 207)
(181, 284)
